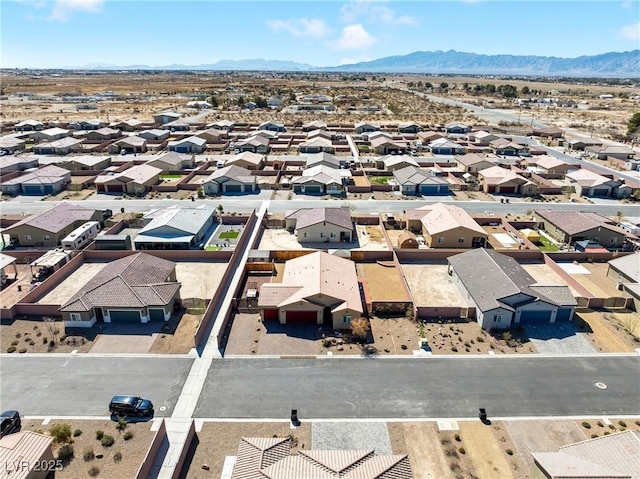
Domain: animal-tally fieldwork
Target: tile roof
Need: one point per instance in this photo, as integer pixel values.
(317, 158)
(587, 178)
(233, 172)
(393, 160)
(412, 175)
(496, 175)
(246, 157)
(24, 447)
(628, 265)
(305, 217)
(256, 453)
(181, 220)
(575, 222)
(135, 281)
(172, 158)
(46, 175)
(56, 219)
(473, 159)
(443, 217)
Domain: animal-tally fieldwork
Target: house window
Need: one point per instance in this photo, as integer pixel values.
(321, 235)
(346, 319)
(305, 235)
(76, 317)
(46, 238)
(614, 240)
(460, 240)
(497, 318)
(333, 235)
(441, 239)
(596, 239)
(27, 237)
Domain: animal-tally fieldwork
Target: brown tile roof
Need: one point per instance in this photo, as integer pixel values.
(256, 453)
(496, 175)
(443, 217)
(25, 447)
(306, 217)
(56, 219)
(135, 281)
(575, 222)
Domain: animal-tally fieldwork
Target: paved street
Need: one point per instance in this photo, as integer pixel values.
(65, 385)
(421, 388)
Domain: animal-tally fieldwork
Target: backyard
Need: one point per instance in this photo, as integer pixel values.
(379, 180)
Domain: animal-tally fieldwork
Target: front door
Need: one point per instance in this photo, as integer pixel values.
(99, 315)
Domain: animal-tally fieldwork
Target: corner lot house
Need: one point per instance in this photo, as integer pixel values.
(49, 227)
(504, 294)
(417, 181)
(548, 164)
(446, 226)
(136, 180)
(138, 288)
(604, 152)
(47, 180)
(481, 138)
(320, 225)
(26, 448)
(317, 288)
(505, 147)
(175, 228)
(570, 226)
(173, 161)
(230, 179)
(193, 144)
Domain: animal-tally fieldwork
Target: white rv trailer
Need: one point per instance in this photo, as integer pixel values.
(81, 236)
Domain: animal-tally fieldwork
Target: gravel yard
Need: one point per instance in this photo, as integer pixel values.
(351, 435)
(383, 282)
(431, 285)
(72, 283)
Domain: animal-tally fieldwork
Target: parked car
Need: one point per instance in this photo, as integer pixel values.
(128, 406)
(9, 423)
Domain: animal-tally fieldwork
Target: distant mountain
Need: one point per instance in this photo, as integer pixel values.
(612, 64)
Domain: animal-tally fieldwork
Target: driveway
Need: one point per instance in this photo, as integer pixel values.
(559, 338)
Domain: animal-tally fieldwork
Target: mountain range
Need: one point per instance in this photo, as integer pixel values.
(612, 64)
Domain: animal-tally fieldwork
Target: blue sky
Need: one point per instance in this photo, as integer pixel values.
(54, 33)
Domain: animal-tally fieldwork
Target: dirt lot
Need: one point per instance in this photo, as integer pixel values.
(29, 336)
(360, 180)
(215, 441)
(72, 283)
(132, 451)
(420, 440)
(612, 331)
(431, 285)
(383, 282)
(176, 336)
(200, 279)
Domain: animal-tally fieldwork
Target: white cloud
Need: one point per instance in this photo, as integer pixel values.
(62, 9)
(355, 37)
(350, 61)
(631, 32)
(301, 27)
(372, 12)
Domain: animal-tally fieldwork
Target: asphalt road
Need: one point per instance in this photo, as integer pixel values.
(81, 385)
(421, 388)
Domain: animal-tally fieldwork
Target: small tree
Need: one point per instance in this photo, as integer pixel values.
(360, 327)
(61, 432)
(633, 124)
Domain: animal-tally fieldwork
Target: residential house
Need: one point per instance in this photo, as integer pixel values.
(50, 134)
(226, 125)
(269, 457)
(173, 161)
(614, 151)
(473, 162)
(272, 126)
(317, 288)
(320, 225)
(137, 288)
(444, 146)
(426, 137)
(505, 147)
(570, 226)
(49, 227)
(230, 179)
(327, 135)
(250, 105)
(548, 165)
(457, 128)
(446, 226)
(588, 183)
(129, 145)
(274, 102)
(27, 455)
(625, 271)
(17, 163)
(614, 456)
(247, 160)
(212, 135)
(63, 146)
(29, 125)
(128, 125)
(136, 180)
(364, 127)
(504, 294)
(166, 117)
(325, 159)
(193, 144)
(409, 127)
(314, 125)
(481, 138)
(382, 145)
(156, 134)
(86, 162)
(103, 134)
(93, 124)
(175, 228)
(549, 132)
(418, 181)
(582, 143)
(177, 125)
(10, 144)
(47, 180)
(500, 180)
(395, 162)
(254, 144)
(316, 145)
(321, 180)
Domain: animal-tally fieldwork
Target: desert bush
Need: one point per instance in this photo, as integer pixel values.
(593, 436)
(480, 339)
(117, 457)
(461, 450)
(77, 433)
(457, 437)
(600, 423)
(61, 432)
(99, 435)
(94, 471)
(65, 452)
(127, 435)
(621, 423)
(88, 454)
(107, 440)
(122, 424)
(509, 452)
(23, 350)
(326, 343)
(586, 425)
(14, 343)
(12, 349)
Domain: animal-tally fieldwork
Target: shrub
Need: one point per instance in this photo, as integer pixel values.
(457, 437)
(326, 343)
(586, 425)
(61, 433)
(621, 423)
(600, 423)
(509, 452)
(23, 350)
(606, 433)
(94, 471)
(117, 457)
(45, 340)
(122, 424)
(593, 436)
(107, 440)
(454, 349)
(88, 454)
(62, 338)
(99, 435)
(127, 435)
(14, 343)
(461, 450)
(77, 433)
(18, 335)
(12, 349)
(480, 339)
(637, 422)
(65, 452)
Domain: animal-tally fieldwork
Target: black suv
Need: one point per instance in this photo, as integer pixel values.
(127, 406)
(9, 422)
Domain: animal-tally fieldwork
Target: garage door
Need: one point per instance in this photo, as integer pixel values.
(114, 188)
(302, 317)
(563, 314)
(233, 188)
(156, 314)
(535, 317)
(296, 188)
(313, 190)
(507, 189)
(126, 316)
(601, 192)
(32, 189)
(270, 315)
(429, 190)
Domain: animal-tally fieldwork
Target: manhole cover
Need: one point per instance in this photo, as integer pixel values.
(164, 408)
(600, 385)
